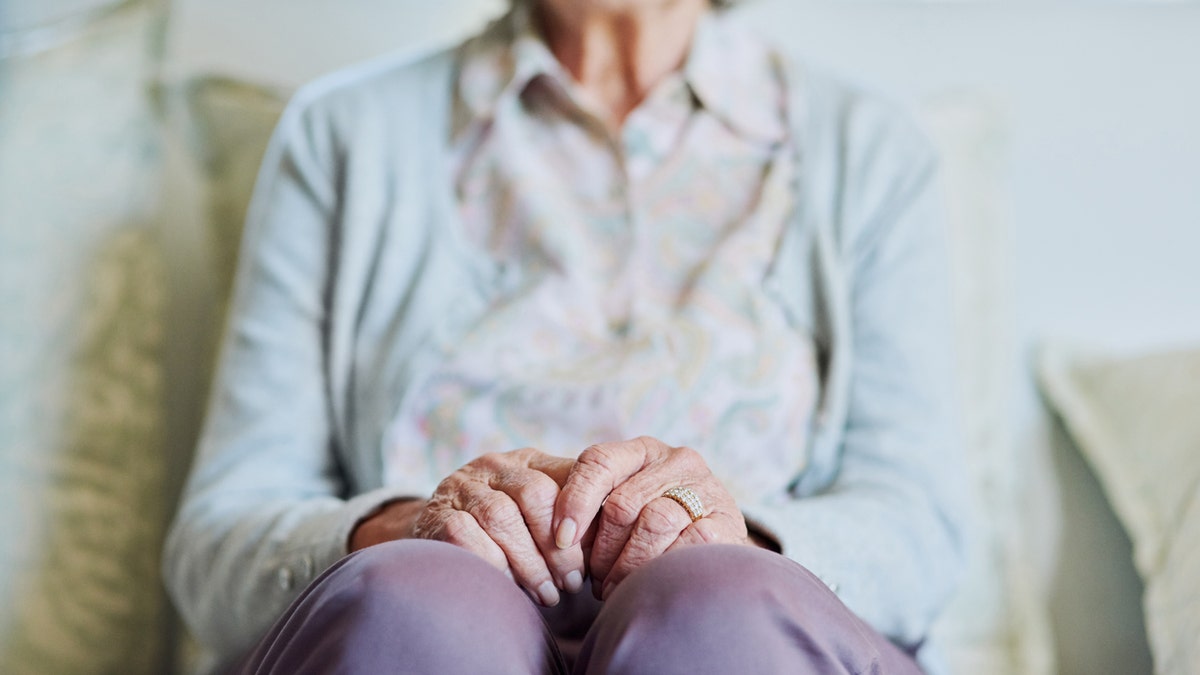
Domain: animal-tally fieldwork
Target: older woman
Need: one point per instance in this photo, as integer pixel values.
(468, 281)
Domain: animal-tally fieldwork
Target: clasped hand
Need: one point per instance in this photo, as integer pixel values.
(550, 522)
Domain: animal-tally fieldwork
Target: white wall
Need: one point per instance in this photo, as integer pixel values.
(1103, 103)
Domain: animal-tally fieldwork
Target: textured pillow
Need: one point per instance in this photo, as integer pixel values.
(231, 123)
(1137, 421)
(81, 281)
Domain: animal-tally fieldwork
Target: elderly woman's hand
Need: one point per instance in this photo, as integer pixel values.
(500, 507)
(624, 483)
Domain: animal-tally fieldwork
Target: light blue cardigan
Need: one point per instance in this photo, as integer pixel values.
(352, 271)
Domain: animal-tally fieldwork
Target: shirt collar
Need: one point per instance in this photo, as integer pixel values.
(501, 62)
(729, 71)
(737, 78)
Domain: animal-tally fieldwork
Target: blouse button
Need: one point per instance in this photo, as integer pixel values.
(284, 577)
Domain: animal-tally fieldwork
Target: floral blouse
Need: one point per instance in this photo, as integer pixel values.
(640, 257)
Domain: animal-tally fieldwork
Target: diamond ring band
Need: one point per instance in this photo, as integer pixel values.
(688, 499)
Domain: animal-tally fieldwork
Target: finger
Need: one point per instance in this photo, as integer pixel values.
(557, 468)
(534, 493)
(656, 529)
(589, 537)
(619, 515)
(718, 528)
(626, 503)
(501, 519)
(596, 473)
(460, 528)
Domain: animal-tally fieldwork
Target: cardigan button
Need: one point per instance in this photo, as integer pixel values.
(831, 585)
(285, 579)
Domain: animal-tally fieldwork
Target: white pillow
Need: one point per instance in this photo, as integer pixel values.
(1137, 421)
(997, 623)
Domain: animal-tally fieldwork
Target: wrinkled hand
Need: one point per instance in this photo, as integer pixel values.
(500, 507)
(622, 484)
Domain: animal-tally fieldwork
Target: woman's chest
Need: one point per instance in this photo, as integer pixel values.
(638, 310)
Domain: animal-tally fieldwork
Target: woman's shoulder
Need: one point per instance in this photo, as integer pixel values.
(402, 90)
(860, 122)
(862, 148)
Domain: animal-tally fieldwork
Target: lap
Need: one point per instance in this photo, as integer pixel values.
(438, 608)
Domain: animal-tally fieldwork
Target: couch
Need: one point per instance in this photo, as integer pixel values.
(122, 188)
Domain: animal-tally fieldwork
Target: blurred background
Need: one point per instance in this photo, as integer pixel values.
(130, 133)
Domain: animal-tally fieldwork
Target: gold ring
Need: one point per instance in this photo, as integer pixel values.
(688, 499)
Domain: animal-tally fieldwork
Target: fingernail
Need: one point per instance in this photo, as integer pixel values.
(565, 537)
(509, 574)
(548, 593)
(574, 581)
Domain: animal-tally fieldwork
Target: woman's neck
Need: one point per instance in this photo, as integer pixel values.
(619, 50)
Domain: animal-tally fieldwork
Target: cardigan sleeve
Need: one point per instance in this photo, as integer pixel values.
(265, 509)
(887, 533)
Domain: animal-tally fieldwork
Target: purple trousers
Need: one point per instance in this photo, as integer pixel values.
(429, 607)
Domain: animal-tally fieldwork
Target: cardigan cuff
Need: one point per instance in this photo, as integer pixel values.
(324, 539)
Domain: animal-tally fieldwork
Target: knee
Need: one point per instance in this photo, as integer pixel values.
(413, 579)
(411, 594)
(397, 607)
(725, 580)
(392, 564)
(720, 608)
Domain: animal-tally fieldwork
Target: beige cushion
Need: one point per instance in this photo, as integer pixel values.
(1137, 421)
(230, 124)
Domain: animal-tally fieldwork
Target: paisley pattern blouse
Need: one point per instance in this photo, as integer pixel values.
(640, 257)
